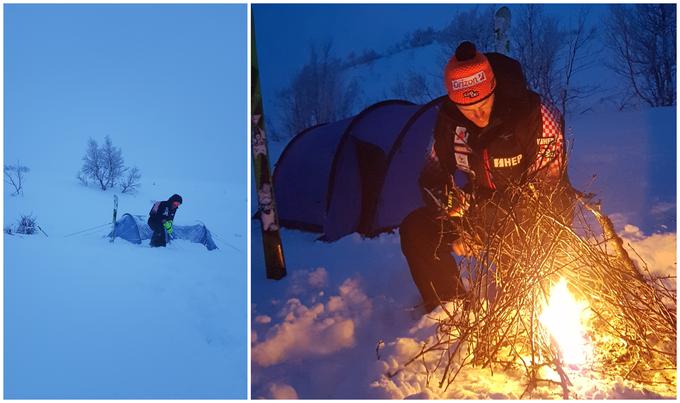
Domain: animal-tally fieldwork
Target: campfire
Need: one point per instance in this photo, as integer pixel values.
(565, 319)
(556, 297)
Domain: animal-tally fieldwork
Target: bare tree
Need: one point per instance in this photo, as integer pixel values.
(577, 58)
(113, 162)
(14, 176)
(538, 40)
(553, 53)
(93, 165)
(131, 181)
(422, 37)
(642, 38)
(417, 88)
(475, 25)
(105, 166)
(318, 93)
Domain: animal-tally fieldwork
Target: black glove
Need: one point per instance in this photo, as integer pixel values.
(454, 202)
(457, 202)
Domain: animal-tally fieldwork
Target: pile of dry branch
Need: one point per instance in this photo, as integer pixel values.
(519, 255)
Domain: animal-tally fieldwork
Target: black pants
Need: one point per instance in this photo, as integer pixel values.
(426, 243)
(158, 237)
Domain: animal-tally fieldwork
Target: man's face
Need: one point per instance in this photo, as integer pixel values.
(176, 204)
(478, 113)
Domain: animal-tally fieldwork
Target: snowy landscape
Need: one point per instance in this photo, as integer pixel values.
(344, 317)
(87, 318)
(316, 332)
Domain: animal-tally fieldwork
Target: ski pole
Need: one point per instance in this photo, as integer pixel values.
(41, 230)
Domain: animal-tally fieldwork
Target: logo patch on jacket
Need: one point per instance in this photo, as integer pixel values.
(461, 149)
(507, 162)
(461, 135)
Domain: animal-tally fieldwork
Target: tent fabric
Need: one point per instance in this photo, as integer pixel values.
(356, 175)
(133, 228)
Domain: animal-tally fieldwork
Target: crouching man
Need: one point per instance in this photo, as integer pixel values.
(495, 134)
(160, 219)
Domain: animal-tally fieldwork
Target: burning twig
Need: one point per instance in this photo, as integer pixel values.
(628, 318)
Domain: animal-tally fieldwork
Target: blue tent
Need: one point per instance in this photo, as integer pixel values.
(357, 175)
(135, 229)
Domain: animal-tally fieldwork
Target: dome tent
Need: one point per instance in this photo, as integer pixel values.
(135, 229)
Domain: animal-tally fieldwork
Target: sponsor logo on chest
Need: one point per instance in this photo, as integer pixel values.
(508, 162)
(461, 149)
(461, 135)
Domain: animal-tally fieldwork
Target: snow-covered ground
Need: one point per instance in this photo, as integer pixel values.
(316, 333)
(86, 318)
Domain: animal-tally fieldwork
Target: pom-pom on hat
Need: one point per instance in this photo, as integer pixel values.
(468, 76)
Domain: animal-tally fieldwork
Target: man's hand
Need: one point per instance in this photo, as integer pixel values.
(461, 248)
(464, 245)
(168, 226)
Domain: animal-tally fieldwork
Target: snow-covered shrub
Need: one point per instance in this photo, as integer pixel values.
(26, 225)
(105, 167)
(422, 37)
(14, 176)
(130, 183)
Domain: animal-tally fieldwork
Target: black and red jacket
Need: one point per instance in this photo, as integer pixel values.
(523, 140)
(162, 211)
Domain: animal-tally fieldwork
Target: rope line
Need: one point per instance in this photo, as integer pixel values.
(88, 229)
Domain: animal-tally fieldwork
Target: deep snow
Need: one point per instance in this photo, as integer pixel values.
(317, 333)
(86, 318)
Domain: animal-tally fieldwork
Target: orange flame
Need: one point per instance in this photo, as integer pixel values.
(564, 318)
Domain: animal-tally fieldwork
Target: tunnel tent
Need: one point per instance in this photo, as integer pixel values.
(133, 228)
(347, 176)
(361, 174)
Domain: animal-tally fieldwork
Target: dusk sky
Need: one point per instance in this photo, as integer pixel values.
(165, 79)
(286, 32)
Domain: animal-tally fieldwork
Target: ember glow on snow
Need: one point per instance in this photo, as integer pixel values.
(564, 318)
